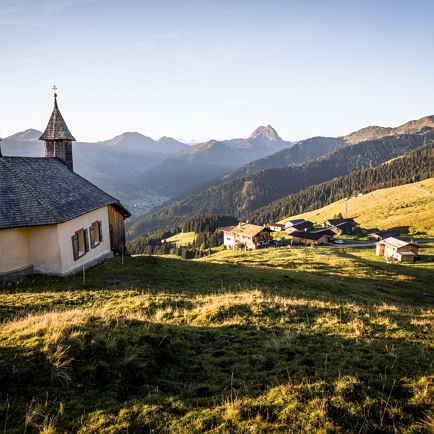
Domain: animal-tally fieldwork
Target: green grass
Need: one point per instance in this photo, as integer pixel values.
(408, 207)
(182, 239)
(275, 340)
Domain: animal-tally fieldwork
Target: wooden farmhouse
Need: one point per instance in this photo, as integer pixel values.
(51, 219)
(246, 236)
(394, 248)
(311, 238)
(382, 235)
(341, 226)
(298, 225)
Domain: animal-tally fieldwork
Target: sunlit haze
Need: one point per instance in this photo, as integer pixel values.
(202, 69)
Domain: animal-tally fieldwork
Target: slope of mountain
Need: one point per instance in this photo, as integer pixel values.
(244, 195)
(203, 162)
(190, 167)
(375, 132)
(410, 167)
(24, 144)
(301, 152)
(407, 207)
(27, 135)
(133, 140)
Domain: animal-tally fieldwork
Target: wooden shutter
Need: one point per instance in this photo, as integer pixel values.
(92, 236)
(86, 240)
(74, 239)
(100, 231)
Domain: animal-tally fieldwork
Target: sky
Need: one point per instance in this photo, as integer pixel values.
(203, 69)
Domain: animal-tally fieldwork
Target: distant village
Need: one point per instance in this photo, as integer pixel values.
(300, 232)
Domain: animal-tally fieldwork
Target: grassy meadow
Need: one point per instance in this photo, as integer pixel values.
(409, 207)
(275, 340)
(182, 239)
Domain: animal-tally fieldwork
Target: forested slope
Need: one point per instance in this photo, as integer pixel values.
(412, 167)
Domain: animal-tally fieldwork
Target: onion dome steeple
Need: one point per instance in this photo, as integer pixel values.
(57, 137)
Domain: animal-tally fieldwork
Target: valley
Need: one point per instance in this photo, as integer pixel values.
(247, 197)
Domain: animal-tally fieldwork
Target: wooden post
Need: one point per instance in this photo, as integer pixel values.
(84, 276)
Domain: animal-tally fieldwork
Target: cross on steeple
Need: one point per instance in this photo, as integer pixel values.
(57, 137)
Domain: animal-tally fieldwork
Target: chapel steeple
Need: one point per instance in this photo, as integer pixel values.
(57, 137)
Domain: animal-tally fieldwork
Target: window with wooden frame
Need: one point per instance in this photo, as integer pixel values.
(80, 244)
(95, 231)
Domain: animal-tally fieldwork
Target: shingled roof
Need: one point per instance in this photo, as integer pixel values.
(246, 229)
(56, 128)
(43, 191)
(396, 242)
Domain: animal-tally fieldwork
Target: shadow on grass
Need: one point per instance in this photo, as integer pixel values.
(422, 276)
(101, 365)
(173, 276)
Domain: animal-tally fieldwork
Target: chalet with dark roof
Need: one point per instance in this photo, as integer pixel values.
(341, 226)
(304, 225)
(310, 238)
(382, 235)
(293, 222)
(51, 219)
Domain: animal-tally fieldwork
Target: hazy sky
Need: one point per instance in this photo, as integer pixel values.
(201, 69)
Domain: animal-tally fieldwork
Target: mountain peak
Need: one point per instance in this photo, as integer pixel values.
(27, 135)
(265, 132)
(129, 138)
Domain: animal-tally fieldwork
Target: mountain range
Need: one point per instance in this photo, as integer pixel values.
(200, 163)
(315, 147)
(131, 165)
(232, 177)
(307, 163)
(112, 165)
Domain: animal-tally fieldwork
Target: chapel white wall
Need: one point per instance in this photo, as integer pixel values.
(44, 249)
(67, 230)
(14, 250)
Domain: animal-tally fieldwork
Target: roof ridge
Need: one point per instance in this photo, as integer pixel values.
(117, 201)
(32, 192)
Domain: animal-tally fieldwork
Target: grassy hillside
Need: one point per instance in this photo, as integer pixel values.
(305, 340)
(409, 206)
(182, 239)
